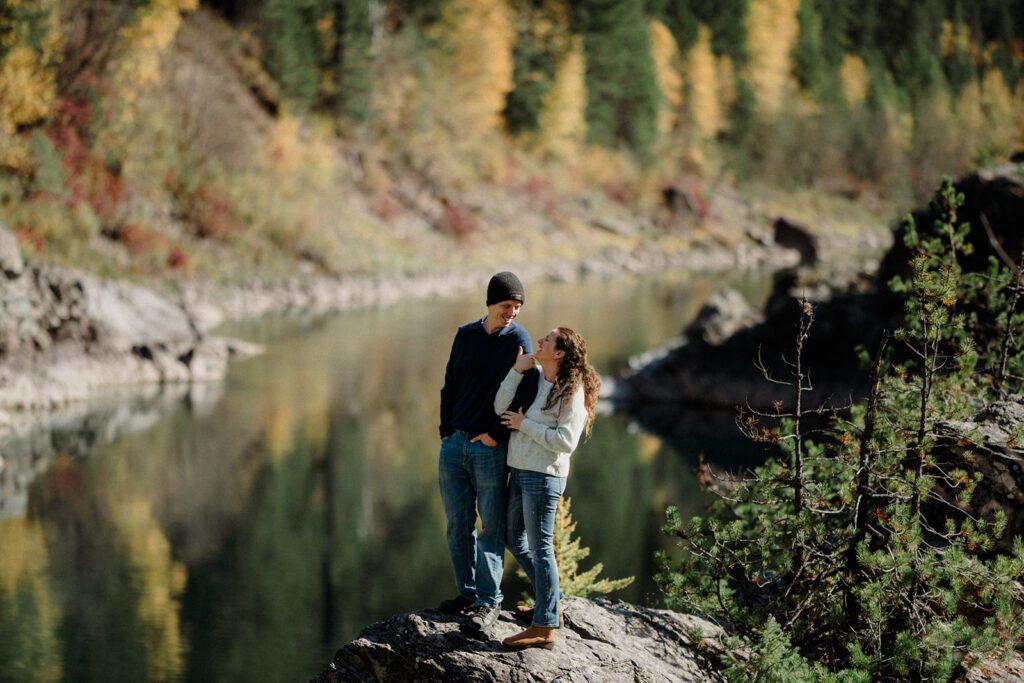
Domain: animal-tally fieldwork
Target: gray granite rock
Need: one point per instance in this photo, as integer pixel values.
(603, 640)
(990, 444)
(65, 334)
(11, 263)
(725, 313)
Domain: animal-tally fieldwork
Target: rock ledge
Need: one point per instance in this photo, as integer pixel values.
(603, 640)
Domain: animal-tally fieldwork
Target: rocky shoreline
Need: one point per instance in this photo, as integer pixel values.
(212, 304)
(65, 334)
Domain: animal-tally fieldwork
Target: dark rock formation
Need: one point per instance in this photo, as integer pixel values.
(708, 370)
(793, 236)
(993, 205)
(603, 640)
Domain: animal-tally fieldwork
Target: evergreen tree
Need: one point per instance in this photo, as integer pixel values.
(291, 54)
(533, 74)
(680, 18)
(959, 66)
(542, 42)
(355, 33)
(568, 553)
(422, 12)
(622, 87)
(809, 65)
(728, 28)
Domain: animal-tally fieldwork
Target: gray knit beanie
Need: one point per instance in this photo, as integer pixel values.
(505, 286)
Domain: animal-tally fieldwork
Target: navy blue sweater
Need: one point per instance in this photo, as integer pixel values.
(477, 364)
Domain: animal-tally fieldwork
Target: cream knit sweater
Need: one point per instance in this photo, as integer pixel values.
(546, 439)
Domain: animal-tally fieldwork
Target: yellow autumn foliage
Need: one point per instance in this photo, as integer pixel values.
(23, 563)
(997, 109)
(297, 148)
(705, 105)
(1018, 115)
(279, 428)
(956, 38)
(143, 43)
(772, 30)
(27, 70)
(666, 63)
(26, 89)
(296, 410)
(160, 581)
(561, 119)
(855, 80)
(969, 115)
(476, 60)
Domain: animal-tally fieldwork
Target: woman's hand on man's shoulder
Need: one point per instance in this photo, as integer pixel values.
(524, 361)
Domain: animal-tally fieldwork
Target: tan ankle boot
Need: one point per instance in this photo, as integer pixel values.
(535, 636)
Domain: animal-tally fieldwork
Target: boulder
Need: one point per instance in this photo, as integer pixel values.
(725, 313)
(993, 205)
(990, 444)
(793, 236)
(603, 640)
(65, 333)
(11, 263)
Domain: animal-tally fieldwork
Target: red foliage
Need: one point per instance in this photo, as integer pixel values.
(538, 190)
(140, 239)
(64, 479)
(386, 206)
(457, 220)
(213, 214)
(30, 239)
(210, 213)
(621, 190)
(90, 180)
(177, 259)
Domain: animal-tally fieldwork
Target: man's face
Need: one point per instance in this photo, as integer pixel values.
(503, 312)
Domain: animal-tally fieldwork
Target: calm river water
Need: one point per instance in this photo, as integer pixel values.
(246, 538)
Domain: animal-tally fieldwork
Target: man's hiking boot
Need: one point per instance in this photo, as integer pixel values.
(524, 614)
(457, 605)
(484, 617)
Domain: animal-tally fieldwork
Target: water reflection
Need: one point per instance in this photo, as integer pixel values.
(248, 538)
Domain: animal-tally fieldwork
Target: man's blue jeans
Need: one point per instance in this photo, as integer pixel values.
(472, 478)
(532, 502)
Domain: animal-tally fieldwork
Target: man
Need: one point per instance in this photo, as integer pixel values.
(471, 470)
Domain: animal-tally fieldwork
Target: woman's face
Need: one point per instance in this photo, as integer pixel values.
(547, 348)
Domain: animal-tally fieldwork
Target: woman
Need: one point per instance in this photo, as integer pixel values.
(542, 440)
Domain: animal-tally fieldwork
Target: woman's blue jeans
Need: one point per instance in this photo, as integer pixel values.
(472, 478)
(532, 503)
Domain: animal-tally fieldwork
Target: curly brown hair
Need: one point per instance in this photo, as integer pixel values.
(574, 371)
